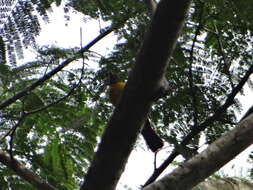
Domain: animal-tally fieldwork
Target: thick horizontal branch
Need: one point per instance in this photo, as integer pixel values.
(143, 83)
(24, 173)
(54, 71)
(210, 160)
(202, 126)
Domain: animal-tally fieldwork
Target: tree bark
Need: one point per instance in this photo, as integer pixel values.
(143, 84)
(224, 183)
(210, 160)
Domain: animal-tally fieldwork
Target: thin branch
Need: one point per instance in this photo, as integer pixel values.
(202, 126)
(6, 135)
(224, 57)
(155, 157)
(12, 133)
(10, 130)
(55, 102)
(54, 71)
(24, 173)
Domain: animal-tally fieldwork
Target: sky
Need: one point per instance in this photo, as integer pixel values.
(140, 164)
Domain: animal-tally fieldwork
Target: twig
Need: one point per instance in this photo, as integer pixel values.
(155, 156)
(13, 130)
(12, 133)
(224, 57)
(202, 126)
(81, 45)
(55, 102)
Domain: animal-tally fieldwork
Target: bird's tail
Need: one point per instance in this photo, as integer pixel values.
(153, 141)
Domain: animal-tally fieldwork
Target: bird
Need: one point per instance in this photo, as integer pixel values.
(116, 88)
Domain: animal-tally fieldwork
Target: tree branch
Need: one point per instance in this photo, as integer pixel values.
(24, 173)
(210, 160)
(144, 81)
(54, 71)
(202, 126)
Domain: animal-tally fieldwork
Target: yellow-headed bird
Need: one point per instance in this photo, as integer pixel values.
(116, 87)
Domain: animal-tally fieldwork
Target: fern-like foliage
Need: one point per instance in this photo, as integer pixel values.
(19, 25)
